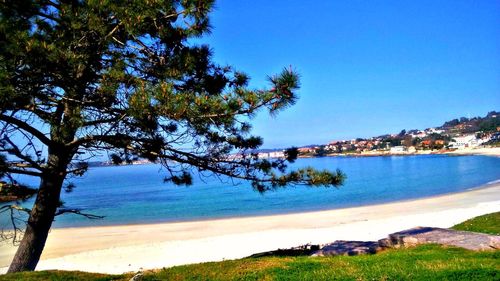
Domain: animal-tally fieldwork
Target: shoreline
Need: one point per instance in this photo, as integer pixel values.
(215, 219)
(479, 151)
(123, 248)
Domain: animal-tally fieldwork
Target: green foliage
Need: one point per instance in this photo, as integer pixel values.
(3, 165)
(128, 79)
(489, 224)
(429, 262)
(83, 78)
(490, 124)
(320, 152)
(309, 176)
(291, 154)
(486, 124)
(15, 192)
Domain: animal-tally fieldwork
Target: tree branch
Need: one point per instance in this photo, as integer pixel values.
(23, 172)
(77, 212)
(234, 113)
(17, 232)
(17, 152)
(26, 127)
(14, 207)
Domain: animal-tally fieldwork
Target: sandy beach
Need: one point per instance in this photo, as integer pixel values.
(487, 151)
(117, 249)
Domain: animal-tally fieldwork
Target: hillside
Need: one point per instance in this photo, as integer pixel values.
(463, 125)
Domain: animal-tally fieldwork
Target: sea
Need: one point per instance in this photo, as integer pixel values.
(137, 194)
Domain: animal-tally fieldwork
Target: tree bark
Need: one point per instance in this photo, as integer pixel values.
(39, 222)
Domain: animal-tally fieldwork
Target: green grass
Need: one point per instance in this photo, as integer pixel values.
(489, 224)
(426, 262)
(429, 262)
(58, 275)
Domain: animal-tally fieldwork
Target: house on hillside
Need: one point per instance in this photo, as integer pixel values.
(439, 142)
(433, 131)
(426, 143)
(464, 142)
(304, 150)
(418, 134)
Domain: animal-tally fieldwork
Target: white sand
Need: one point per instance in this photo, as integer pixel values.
(117, 249)
(488, 151)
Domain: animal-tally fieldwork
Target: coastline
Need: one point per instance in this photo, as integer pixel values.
(486, 151)
(483, 151)
(122, 248)
(249, 216)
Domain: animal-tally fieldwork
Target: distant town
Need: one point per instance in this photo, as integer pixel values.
(453, 135)
(457, 134)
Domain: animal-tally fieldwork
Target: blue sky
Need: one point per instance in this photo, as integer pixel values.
(367, 67)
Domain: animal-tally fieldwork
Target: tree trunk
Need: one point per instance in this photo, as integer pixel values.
(39, 223)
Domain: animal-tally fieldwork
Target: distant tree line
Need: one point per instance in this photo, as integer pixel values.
(463, 125)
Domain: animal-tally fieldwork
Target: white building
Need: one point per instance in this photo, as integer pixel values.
(433, 131)
(272, 154)
(277, 154)
(486, 138)
(398, 149)
(419, 134)
(464, 141)
(263, 155)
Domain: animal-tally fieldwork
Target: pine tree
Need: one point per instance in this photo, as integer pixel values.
(81, 77)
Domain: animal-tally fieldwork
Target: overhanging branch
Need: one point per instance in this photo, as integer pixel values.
(77, 212)
(18, 153)
(23, 172)
(24, 126)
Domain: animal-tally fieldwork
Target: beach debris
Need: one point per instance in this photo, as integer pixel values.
(348, 248)
(447, 237)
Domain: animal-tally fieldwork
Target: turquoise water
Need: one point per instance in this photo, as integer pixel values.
(137, 194)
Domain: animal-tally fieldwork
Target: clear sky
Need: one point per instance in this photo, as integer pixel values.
(367, 67)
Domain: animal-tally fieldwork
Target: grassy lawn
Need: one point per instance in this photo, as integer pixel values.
(489, 223)
(62, 275)
(427, 262)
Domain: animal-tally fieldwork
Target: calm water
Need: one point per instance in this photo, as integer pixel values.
(137, 194)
